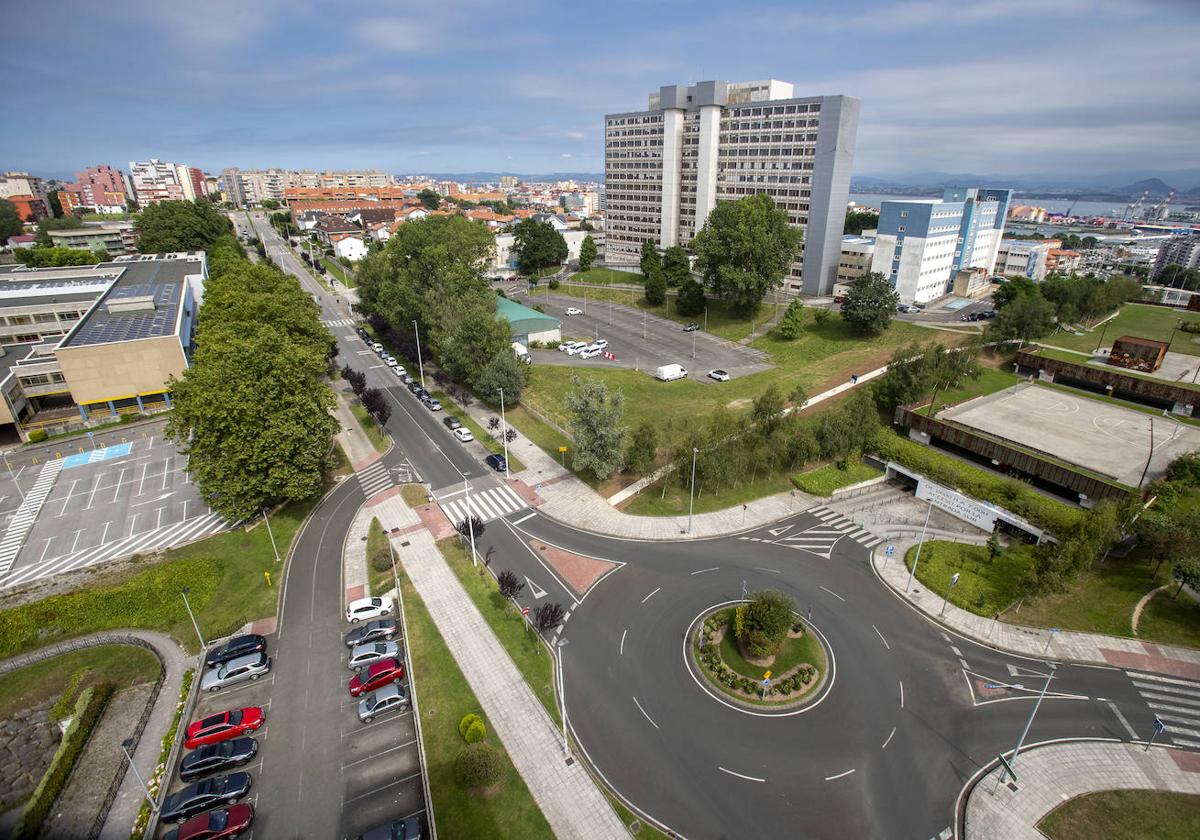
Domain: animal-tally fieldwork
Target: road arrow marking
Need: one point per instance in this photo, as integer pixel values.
(536, 590)
(775, 532)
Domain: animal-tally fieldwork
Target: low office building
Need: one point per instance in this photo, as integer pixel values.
(527, 324)
(1025, 258)
(113, 238)
(857, 254)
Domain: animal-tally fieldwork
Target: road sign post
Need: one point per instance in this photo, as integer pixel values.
(562, 454)
(1159, 726)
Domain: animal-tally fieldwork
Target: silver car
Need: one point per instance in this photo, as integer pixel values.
(389, 698)
(249, 667)
(371, 652)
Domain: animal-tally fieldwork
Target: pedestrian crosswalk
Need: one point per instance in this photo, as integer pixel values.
(164, 537)
(1174, 701)
(375, 478)
(24, 517)
(339, 322)
(486, 504)
(820, 538)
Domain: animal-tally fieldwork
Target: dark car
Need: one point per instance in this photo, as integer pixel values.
(412, 828)
(496, 462)
(988, 314)
(451, 422)
(376, 676)
(224, 726)
(235, 647)
(692, 327)
(375, 630)
(415, 387)
(215, 825)
(212, 758)
(210, 793)
(839, 298)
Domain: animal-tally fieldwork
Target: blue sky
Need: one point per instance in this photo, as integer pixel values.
(1077, 87)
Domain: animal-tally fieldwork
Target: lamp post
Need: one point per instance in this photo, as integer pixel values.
(420, 364)
(562, 690)
(1028, 724)
(271, 534)
(470, 520)
(13, 477)
(692, 493)
(125, 745)
(504, 436)
(946, 597)
(195, 626)
(920, 543)
(693, 344)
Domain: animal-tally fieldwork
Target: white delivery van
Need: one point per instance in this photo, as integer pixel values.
(521, 352)
(668, 372)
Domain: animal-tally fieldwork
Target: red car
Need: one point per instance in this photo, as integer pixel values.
(376, 676)
(224, 725)
(214, 825)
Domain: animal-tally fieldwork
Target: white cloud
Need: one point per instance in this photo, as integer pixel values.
(576, 135)
(396, 34)
(566, 154)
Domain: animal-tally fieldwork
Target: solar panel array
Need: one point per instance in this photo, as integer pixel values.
(154, 280)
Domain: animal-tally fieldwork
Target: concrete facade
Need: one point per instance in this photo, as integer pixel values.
(1025, 258)
(1181, 250)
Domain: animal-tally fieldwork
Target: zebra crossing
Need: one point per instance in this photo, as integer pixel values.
(24, 517)
(486, 504)
(167, 536)
(820, 538)
(339, 322)
(375, 478)
(1174, 701)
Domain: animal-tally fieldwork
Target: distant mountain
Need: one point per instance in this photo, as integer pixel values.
(1033, 185)
(1194, 191)
(492, 177)
(1156, 186)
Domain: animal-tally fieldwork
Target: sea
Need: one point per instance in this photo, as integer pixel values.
(1053, 205)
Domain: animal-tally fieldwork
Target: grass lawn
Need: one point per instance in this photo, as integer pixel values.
(824, 480)
(1171, 620)
(489, 442)
(120, 665)
(985, 587)
(989, 382)
(525, 649)
(1138, 319)
(413, 494)
(224, 573)
(377, 546)
(376, 435)
(338, 272)
(605, 276)
(1125, 815)
(444, 697)
(652, 502)
(805, 650)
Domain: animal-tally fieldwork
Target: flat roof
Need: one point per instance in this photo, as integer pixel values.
(512, 312)
(158, 278)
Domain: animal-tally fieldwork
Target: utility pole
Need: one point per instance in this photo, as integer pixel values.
(1148, 457)
(692, 494)
(470, 520)
(125, 745)
(274, 548)
(195, 626)
(18, 486)
(420, 364)
(920, 543)
(504, 427)
(1028, 724)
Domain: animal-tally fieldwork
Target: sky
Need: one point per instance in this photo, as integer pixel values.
(1087, 89)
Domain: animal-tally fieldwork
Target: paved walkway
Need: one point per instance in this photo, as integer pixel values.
(1050, 775)
(570, 800)
(354, 441)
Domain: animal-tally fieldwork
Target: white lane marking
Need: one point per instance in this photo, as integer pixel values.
(651, 595)
(889, 738)
(902, 694)
(623, 632)
(740, 776)
(834, 594)
(702, 571)
(963, 663)
(839, 775)
(529, 515)
(772, 571)
(880, 635)
(643, 711)
(1137, 675)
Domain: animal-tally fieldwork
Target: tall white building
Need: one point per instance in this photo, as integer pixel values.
(154, 181)
(667, 167)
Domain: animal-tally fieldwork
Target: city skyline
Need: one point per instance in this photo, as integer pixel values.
(473, 86)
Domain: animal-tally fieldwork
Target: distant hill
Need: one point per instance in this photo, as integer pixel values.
(1156, 186)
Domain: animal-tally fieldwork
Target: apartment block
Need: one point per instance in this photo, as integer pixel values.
(21, 183)
(30, 208)
(154, 181)
(1180, 250)
(97, 189)
(668, 166)
(1025, 257)
(191, 180)
(922, 245)
(248, 187)
(114, 238)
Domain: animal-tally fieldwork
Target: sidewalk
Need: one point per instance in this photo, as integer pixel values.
(568, 797)
(1050, 775)
(360, 452)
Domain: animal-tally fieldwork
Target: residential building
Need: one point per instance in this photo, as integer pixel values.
(1179, 250)
(345, 193)
(191, 180)
(114, 238)
(855, 261)
(1062, 261)
(329, 228)
(350, 248)
(29, 207)
(508, 182)
(668, 166)
(921, 245)
(299, 208)
(97, 189)
(1025, 257)
(21, 240)
(154, 181)
(21, 183)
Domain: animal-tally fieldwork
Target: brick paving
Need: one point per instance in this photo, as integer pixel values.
(579, 571)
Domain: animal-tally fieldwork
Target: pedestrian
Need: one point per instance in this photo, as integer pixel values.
(854, 379)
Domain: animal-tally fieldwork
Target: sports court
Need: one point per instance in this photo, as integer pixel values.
(1092, 434)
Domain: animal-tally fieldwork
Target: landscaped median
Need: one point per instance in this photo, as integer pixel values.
(824, 481)
(489, 443)
(1125, 815)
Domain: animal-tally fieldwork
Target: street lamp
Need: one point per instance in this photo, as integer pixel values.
(470, 520)
(420, 364)
(920, 543)
(1028, 724)
(946, 597)
(125, 745)
(562, 690)
(504, 426)
(195, 626)
(270, 534)
(692, 493)
(18, 486)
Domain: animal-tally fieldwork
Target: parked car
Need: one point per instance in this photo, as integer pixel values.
(367, 608)
(223, 726)
(399, 371)
(391, 697)
(666, 373)
(220, 790)
(602, 343)
(576, 347)
(988, 314)
(235, 671)
(464, 435)
(571, 310)
(590, 352)
(376, 676)
(235, 647)
(411, 828)
(406, 378)
(451, 422)
(213, 758)
(719, 375)
(372, 631)
(431, 403)
(692, 327)
(376, 346)
(496, 462)
(368, 654)
(215, 825)
(906, 308)
(414, 386)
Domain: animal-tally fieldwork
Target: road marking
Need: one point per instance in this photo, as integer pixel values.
(651, 595)
(880, 635)
(1121, 718)
(773, 571)
(643, 711)
(740, 776)
(76, 540)
(702, 571)
(382, 752)
(142, 482)
(963, 663)
(889, 738)
(956, 651)
(623, 632)
(381, 787)
(901, 694)
(839, 775)
(537, 592)
(834, 594)
(46, 548)
(529, 515)
(132, 524)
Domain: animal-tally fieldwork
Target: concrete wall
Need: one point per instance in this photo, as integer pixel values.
(100, 372)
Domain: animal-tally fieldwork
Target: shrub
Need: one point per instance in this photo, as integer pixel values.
(381, 561)
(554, 284)
(67, 700)
(765, 622)
(467, 721)
(475, 733)
(37, 435)
(478, 765)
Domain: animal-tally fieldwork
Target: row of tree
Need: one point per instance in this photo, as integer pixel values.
(58, 256)
(1028, 311)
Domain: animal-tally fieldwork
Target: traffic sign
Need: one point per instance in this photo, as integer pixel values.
(91, 434)
(1159, 726)
(524, 610)
(766, 683)
(767, 675)
(890, 550)
(562, 449)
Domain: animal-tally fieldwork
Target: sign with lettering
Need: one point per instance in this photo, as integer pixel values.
(958, 505)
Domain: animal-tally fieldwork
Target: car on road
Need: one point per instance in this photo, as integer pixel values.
(191, 800)
(376, 676)
(496, 462)
(692, 327)
(431, 403)
(214, 758)
(414, 387)
(406, 378)
(372, 631)
(411, 828)
(363, 609)
(235, 647)
(367, 654)
(451, 422)
(987, 314)
(399, 371)
(376, 346)
(382, 700)
(571, 310)
(907, 309)
(576, 347)
(668, 373)
(235, 671)
(215, 825)
(590, 352)
(464, 435)
(223, 726)
(719, 375)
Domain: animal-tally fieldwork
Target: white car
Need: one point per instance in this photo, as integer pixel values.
(464, 434)
(392, 363)
(571, 310)
(368, 608)
(576, 347)
(719, 375)
(590, 352)
(600, 342)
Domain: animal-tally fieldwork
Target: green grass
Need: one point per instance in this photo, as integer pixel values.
(985, 587)
(489, 442)
(444, 697)
(224, 573)
(606, 276)
(645, 830)
(1067, 356)
(374, 433)
(525, 649)
(413, 494)
(651, 502)
(1125, 815)
(377, 545)
(824, 480)
(338, 272)
(1137, 319)
(805, 650)
(989, 382)
(121, 665)
(1171, 620)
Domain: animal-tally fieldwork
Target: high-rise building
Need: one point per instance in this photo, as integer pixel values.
(1180, 250)
(191, 180)
(97, 189)
(508, 182)
(154, 181)
(666, 168)
(21, 183)
(922, 245)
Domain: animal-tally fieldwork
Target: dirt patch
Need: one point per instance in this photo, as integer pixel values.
(27, 743)
(736, 404)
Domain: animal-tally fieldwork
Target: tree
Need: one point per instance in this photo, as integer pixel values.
(537, 245)
(1011, 289)
(745, 249)
(676, 266)
(767, 409)
(478, 341)
(649, 259)
(859, 220)
(171, 226)
(58, 256)
(791, 325)
(269, 204)
(596, 415)
(548, 616)
(54, 203)
(10, 220)
(1186, 572)
(642, 450)
(870, 304)
(690, 300)
(656, 286)
(478, 765)
(1027, 318)
(505, 371)
(377, 405)
(510, 586)
(993, 546)
(587, 253)
(470, 526)
(430, 200)
(762, 625)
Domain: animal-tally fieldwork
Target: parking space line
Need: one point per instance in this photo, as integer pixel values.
(387, 719)
(95, 487)
(67, 500)
(382, 787)
(117, 486)
(248, 684)
(142, 481)
(382, 752)
(75, 542)
(133, 524)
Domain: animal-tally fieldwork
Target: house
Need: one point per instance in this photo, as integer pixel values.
(350, 248)
(21, 240)
(308, 219)
(525, 324)
(381, 232)
(371, 216)
(329, 227)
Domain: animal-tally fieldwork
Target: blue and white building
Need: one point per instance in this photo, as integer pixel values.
(921, 245)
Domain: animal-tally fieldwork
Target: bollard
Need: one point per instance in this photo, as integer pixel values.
(267, 575)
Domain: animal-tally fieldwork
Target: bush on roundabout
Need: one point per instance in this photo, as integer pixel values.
(762, 625)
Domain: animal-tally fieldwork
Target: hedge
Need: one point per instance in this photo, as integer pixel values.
(1009, 493)
(67, 699)
(88, 709)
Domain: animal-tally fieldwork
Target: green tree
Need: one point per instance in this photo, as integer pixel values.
(54, 203)
(1027, 318)
(269, 204)
(171, 226)
(676, 267)
(430, 200)
(538, 245)
(745, 249)
(870, 304)
(642, 450)
(478, 765)
(690, 300)
(1011, 289)
(473, 343)
(762, 625)
(596, 416)
(656, 286)
(587, 253)
(859, 220)
(791, 325)
(767, 409)
(1186, 572)
(10, 220)
(505, 371)
(649, 260)
(57, 257)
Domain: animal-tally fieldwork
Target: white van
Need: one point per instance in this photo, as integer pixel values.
(666, 373)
